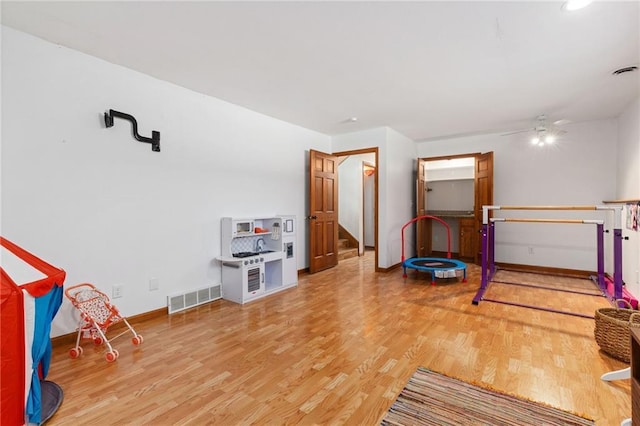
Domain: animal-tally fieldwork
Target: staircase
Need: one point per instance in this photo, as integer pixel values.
(347, 245)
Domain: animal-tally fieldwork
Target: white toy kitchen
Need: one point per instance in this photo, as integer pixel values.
(258, 257)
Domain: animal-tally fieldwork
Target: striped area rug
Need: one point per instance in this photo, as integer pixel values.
(434, 399)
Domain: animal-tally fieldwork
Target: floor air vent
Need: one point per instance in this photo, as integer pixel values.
(180, 302)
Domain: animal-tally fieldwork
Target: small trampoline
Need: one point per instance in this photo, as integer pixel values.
(437, 267)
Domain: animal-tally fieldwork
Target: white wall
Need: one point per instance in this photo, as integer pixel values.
(628, 188)
(628, 176)
(350, 195)
(400, 162)
(107, 209)
(396, 169)
(369, 210)
(580, 169)
(453, 195)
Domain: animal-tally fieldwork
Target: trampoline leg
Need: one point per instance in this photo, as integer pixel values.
(433, 278)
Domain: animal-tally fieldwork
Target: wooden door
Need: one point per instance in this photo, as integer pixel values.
(323, 211)
(483, 189)
(423, 227)
(467, 238)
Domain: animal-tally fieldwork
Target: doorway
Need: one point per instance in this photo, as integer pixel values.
(324, 207)
(358, 203)
(453, 188)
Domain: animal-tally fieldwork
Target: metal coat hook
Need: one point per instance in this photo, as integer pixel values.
(154, 140)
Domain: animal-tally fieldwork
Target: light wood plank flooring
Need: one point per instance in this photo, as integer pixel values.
(337, 350)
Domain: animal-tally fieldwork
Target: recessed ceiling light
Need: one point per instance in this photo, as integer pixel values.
(345, 121)
(571, 5)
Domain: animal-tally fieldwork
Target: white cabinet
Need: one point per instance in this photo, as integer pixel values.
(257, 257)
(289, 258)
(289, 262)
(241, 282)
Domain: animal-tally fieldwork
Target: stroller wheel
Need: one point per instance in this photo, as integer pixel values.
(137, 340)
(98, 341)
(111, 356)
(75, 352)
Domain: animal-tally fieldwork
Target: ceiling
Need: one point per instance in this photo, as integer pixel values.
(430, 70)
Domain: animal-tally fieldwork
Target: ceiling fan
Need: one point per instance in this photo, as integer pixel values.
(542, 132)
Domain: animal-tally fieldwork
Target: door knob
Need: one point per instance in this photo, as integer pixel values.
(311, 217)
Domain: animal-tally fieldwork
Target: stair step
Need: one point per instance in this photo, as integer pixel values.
(347, 253)
(343, 243)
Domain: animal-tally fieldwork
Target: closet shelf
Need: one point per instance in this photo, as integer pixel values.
(451, 213)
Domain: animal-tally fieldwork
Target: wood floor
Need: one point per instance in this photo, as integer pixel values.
(337, 350)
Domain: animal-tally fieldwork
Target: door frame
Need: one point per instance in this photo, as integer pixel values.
(376, 216)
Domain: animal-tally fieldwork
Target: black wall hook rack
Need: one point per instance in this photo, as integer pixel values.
(154, 140)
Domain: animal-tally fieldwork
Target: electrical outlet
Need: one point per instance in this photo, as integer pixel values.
(117, 291)
(154, 284)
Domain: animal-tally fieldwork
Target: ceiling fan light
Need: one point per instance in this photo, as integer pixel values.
(549, 139)
(535, 140)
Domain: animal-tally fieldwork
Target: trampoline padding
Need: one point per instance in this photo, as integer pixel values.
(433, 263)
(438, 267)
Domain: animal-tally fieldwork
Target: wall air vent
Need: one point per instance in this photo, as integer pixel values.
(182, 301)
(625, 69)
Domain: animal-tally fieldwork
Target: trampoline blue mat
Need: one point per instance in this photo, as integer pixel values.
(433, 264)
